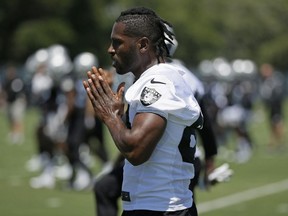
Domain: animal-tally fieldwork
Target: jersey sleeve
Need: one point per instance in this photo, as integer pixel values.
(169, 99)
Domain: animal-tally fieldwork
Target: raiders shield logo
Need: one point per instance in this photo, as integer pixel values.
(149, 96)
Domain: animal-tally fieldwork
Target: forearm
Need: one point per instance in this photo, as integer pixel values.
(125, 140)
(136, 144)
(118, 131)
(210, 164)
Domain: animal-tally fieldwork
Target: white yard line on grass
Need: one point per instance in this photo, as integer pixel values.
(244, 196)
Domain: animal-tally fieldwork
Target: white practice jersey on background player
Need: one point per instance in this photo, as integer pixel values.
(162, 182)
(193, 81)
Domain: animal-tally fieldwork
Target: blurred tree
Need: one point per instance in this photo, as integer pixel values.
(34, 34)
(229, 28)
(30, 24)
(86, 17)
(205, 29)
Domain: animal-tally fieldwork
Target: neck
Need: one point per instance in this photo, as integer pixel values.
(146, 66)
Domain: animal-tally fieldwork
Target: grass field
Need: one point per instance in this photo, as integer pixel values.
(257, 188)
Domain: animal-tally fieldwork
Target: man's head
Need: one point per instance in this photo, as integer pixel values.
(266, 70)
(138, 38)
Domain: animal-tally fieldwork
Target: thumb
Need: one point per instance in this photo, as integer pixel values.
(120, 90)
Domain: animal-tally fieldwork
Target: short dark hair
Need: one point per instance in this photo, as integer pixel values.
(144, 22)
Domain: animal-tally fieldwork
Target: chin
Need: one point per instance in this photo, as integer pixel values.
(120, 71)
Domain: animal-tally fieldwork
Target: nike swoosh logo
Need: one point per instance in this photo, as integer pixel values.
(154, 82)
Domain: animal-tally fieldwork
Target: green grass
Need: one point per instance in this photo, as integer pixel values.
(264, 168)
(18, 199)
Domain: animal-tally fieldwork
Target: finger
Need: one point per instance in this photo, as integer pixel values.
(102, 75)
(90, 95)
(97, 89)
(121, 85)
(94, 86)
(95, 71)
(106, 87)
(85, 84)
(99, 73)
(99, 78)
(120, 90)
(89, 73)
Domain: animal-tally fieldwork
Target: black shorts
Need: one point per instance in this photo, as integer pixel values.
(186, 212)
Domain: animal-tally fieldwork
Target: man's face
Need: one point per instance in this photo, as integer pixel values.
(123, 50)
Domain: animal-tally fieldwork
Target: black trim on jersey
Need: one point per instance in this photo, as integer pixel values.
(187, 152)
(198, 124)
(127, 120)
(125, 196)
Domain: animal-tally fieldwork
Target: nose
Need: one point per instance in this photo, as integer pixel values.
(111, 50)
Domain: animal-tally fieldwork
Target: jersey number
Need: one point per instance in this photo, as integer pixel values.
(187, 145)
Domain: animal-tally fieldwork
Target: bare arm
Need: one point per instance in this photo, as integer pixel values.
(136, 144)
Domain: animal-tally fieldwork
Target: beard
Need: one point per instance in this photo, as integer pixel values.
(125, 66)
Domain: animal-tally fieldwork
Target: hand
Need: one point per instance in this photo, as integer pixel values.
(105, 102)
(209, 167)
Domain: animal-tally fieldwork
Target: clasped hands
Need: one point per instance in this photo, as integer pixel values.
(105, 102)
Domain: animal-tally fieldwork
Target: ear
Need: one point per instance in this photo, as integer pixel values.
(143, 44)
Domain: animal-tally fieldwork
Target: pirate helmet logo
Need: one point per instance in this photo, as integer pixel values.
(149, 96)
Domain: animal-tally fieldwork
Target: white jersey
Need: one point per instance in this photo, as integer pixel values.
(195, 84)
(162, 182)
(197, 88)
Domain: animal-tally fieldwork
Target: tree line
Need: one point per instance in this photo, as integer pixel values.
(256, 30)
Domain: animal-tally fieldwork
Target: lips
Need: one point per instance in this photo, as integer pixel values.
(113, 61)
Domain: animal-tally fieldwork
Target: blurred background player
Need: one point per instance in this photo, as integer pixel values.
(272, 92)
(229, 94)
(85, 131)
(14, 96)
(68, 131)
(47, 73)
